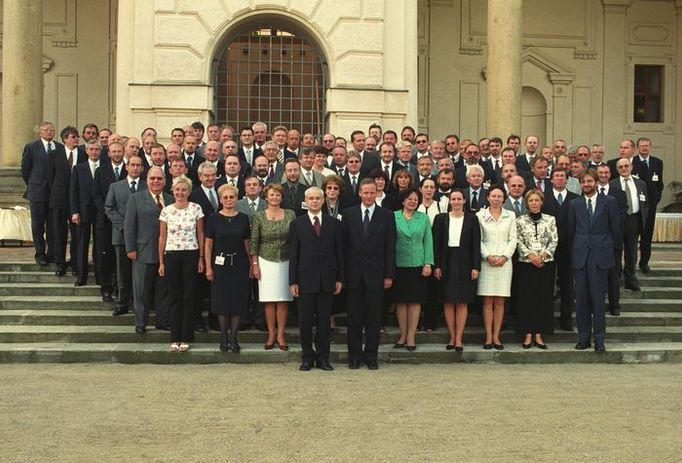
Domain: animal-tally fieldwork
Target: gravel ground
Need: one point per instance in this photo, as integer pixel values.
(102, 412)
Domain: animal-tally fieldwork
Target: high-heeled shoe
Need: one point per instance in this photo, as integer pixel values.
(459, 348)
(411, 348)
(449, 346)
(527, 346)
(498, 346)
(399, 345)
(234, 343)
(540, 345)
(487, 346)
(224, 341)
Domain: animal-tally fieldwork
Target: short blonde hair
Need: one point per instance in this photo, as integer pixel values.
(227, 186)
(184, 181)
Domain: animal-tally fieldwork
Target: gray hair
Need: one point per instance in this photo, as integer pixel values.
(313, 189)
(206, 165)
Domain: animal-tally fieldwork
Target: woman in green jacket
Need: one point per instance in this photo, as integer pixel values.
(414, 258)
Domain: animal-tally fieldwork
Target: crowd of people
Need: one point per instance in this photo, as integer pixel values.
(251, 223)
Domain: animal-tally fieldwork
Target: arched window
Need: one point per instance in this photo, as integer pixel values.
(272, 75)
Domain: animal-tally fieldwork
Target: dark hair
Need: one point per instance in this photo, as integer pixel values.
(356, 132)
(429, 177)
(318, 149)
(177, 129)
(403, 195)
(246, 128)
(68, 130)
(452, 135)
(399, 173)
(149, 128)
(198, 125)
(513, 137)
(290, 160)
(390, 132)
(376, 173)
(374, 126)
(537, 159)
(589, 172)
(497, 140)
(335, 179)
(458, 190)
(494, 187)
(558, 170)
(408, 127)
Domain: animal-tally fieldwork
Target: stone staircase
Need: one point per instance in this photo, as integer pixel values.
(44, 318)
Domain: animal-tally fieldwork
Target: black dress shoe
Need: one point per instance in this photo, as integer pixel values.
(542, 346)
(488, 346)
(633, 287)
(201, 328)
(498, 346)
(527, 346)
(582, 346)
(353, 365)
(567, 326)
(600, 348)
(41, 260)
(372, 365)
(119, 311)
(615, 312)
(235, 347)
(106, 296)
(645, 268)
(140, 329)
(305, 366)
(60, 272)
(80, 283)
(324, 365)
(162, 328)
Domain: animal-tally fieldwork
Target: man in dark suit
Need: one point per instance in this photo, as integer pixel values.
(539, 180)
(115, 209)
(404, 158)
(60, 166)
(369, 160)
(212, 155)
(472, 157)
(233, 175)
(294, 190)
(556, 204)
(370, 241)
(275, 169)
(34, 171)
(206, 196)
(625, 150)
(649, 169)
(315, 276)
(637, 209)
(352, 178)
(514, 202)
(110, 171)
(83, 210)
(476, 195)
(592, 228)
(293, 144)
(604, 188)
(523, 160)
(141, 233)
(191, 156)
(248, 152)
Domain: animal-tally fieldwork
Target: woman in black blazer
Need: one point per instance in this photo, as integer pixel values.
(457, 256)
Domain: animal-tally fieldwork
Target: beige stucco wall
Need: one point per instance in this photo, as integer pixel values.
(166, 50)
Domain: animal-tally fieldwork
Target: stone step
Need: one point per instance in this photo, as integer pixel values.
(103, 317)
(658, 281)
(201, 353)
(126, 334)
(31, 267)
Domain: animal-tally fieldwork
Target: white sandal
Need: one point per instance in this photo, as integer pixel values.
(183, 347)
(174, 347)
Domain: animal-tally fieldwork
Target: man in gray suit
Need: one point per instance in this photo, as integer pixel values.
(249, 205)
(514, 202)
(115, 209)
(309, 177)
(141, 233)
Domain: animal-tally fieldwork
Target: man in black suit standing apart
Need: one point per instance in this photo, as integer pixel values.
(649, 169)
(370, 241)
(294, 190)
(34, 171)
(315, 276)
(83, 211)
(59, 175)
(556, 204)
(592, 228)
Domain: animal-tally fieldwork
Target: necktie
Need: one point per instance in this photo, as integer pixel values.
(602, 190)
(387, 172)
(158, 202)
(354, 184)
(70, 160)
(309, 177)
(212, 199)
(497, 164)
(628, 195)
(271, 174)
(117, 171)
(49, 147)
(252, 205)
(589, 209)
(341, 173)
(560, 199)
(365, 223)
(93, 168)
(189, 161)
(474, 200)
(248, 156)
(517, 207)
(539, 183)
(132, 186)
(232, 181)
(316, 225)
(280, 156)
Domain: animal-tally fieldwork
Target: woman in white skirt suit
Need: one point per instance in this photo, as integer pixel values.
(498, 243)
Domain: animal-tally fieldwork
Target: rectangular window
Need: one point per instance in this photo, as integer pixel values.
(648, 93)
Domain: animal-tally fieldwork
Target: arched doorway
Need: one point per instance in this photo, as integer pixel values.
(534, 114)
(274, 74)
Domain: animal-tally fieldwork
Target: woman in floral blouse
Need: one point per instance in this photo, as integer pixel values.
(181, 244)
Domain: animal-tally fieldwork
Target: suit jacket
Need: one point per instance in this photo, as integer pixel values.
(318, 178)
(593, 238)
(141, 226)
(414, 240)
(614, 185)
(293, 197)
(82, 193)
(240, 184)
(652, 176)
(59, 177)
(104, 178)
(508, 204)
(613, 167)
(522, 162)
(34, 169)
(461, 175)
(469, 246)
(481, 200)
(244, 208)
(198, 196)
(315, 262)
(370, 161)
(255, 152)
(279, 173)
(115, 207)
(560, 213)
(546, 185)
(371, 258)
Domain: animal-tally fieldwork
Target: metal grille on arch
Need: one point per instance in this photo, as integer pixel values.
(271, 75)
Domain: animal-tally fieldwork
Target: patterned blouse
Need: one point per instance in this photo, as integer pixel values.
(536, 236)
(182, 227)
(270, 238)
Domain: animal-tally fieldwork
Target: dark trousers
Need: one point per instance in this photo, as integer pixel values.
(647, 235)
(614, 281)
(124, 276)
(181, 272)
(149, 290)
(590, 290)
(84, 232)
(105, 262)
(364, 311)
(61, 227)
(309, 305)
(41, 223)
(432, 310)
(631, 232)
(566, 285)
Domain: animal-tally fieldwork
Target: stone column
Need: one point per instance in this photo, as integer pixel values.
(22, 80)
(125, 65)
(503, 86)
